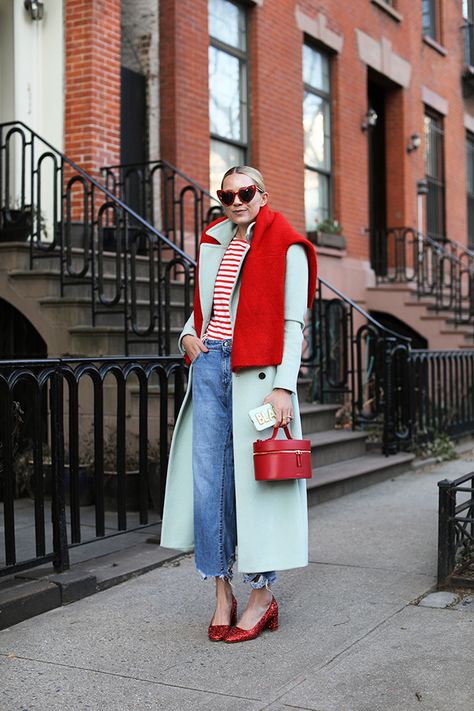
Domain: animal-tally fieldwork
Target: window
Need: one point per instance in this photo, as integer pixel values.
(434, 170)
(468, 16)
(430, 24)
(317, 136)
(228, 91)
(470, 188)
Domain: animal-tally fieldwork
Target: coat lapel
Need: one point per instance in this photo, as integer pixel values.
(210, 258)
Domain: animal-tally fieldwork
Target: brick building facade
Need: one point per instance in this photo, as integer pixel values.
(403, 59)
(344, 112)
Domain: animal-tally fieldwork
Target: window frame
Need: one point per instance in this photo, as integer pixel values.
(435, 21)
(438, 182)
(469, 142)
(325, 96)
(243, 57)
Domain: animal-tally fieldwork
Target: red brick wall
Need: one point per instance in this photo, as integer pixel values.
(92, 120)
(184, 98)
(276, 117)
(92, 82)
(276, 93)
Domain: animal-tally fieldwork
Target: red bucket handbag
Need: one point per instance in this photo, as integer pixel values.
(279, 459)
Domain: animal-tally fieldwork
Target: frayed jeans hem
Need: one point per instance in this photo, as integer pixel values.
(260, 580)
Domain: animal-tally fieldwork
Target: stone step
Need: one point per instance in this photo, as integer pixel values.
(46, 282)
(71, 311)
(333, 480)
(88, 341)
(316, 417)
(334, 445)
(16, 255)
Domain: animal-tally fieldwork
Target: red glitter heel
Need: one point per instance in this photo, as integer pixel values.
(268, 621)
(216, 633)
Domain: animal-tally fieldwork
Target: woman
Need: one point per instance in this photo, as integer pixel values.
(256, 277)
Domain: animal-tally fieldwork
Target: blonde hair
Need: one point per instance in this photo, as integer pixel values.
(252, 173)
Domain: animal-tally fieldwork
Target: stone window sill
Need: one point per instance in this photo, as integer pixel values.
(388, 9)
(435, 45)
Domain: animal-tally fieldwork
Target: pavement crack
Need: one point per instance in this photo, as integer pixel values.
(289, 686)
(129, 676)
(356, 641)
(368, 567)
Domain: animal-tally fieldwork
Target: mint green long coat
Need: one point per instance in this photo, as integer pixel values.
(272, 525)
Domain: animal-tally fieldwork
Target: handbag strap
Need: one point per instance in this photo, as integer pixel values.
(286, 430)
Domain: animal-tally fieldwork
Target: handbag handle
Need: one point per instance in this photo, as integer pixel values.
(286, 430)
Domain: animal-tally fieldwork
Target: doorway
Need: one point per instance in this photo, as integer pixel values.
(377, 177)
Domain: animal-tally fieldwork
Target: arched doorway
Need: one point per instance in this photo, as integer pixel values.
(19, 340)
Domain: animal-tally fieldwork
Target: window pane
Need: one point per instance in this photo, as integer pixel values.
(225, 93)
(223, 157)
(316, 198)
(317, 143)
(227, 23)
(470, 189)
(315, 69)
(433, 148)
(470, 165)
(429, 18)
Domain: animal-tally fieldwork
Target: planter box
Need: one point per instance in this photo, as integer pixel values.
(132, 479)
(86, 486)
(132, 488)
(16, 225)
(328, 239)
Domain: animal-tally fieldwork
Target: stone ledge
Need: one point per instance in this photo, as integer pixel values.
(27, 599)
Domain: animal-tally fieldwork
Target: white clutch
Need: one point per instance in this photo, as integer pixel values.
(263, 416)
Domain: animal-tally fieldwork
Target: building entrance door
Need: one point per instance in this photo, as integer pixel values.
(377, 179)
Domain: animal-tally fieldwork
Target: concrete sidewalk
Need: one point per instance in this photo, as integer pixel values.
(351, 638)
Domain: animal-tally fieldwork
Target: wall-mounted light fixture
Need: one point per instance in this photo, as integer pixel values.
(415, 142)
(35, 8)
(369, 120)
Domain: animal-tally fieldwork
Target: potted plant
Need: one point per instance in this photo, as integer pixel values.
(329, 234)
(86, 483)
(18, 223)
(132, 474)
(16, 454)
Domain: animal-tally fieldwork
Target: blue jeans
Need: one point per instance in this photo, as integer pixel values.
(215, 529)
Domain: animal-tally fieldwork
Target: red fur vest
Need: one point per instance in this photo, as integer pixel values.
(259, 323)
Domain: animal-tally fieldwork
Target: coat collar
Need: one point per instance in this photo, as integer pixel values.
(222, 232)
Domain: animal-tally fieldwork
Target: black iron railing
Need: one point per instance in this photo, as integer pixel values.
(455, 524)
(94, 432)
(351, 359)
(133, 272)
(442, 271)
(166, 198)
(441, 385)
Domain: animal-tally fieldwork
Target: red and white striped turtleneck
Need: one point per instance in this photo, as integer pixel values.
(220, 326)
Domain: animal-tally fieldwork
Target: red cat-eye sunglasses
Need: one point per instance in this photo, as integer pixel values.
(245, 194)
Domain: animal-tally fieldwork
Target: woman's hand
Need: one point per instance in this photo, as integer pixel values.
(281, 403)
(193, 346)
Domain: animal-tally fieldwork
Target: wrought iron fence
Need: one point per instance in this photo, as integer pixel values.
(443, 271)
(165, 197)
(455, 524)
(86, 443)
(441, 385)
(135, 275)
(351, 359)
